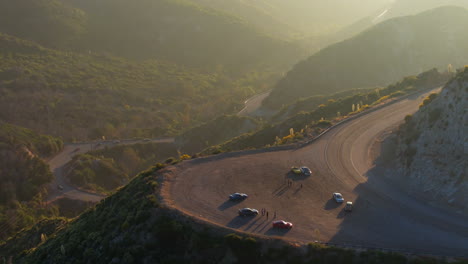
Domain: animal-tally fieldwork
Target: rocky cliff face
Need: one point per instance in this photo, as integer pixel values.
(432, 145)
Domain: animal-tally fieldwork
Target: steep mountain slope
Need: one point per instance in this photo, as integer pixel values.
(380, 55)
(214, 132)
(433, 146)
(48, 22)
(89, 96)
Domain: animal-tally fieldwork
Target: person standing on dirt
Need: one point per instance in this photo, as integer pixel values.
(267, 214)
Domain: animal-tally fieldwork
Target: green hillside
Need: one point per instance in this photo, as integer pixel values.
(49, 22)
(89, 96)
(179, 31)
(214, 132)
(381, 55)
(109, 168)
(23, 176)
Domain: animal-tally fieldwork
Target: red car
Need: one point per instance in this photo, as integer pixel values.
(282, 224)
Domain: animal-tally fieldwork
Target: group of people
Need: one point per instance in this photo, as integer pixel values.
(290, 182)
(265, 213)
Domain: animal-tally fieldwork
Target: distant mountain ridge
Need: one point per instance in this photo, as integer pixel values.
(380, 55)
(411, 7)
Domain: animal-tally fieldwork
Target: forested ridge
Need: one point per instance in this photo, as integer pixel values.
(179, 31)
(119, 69)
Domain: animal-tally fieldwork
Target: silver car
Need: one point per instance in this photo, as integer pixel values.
(248, 212)
(338, 197)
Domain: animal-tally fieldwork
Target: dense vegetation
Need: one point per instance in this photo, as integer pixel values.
(132, 227)
(179, 31)
(317, 116)
(385, 53)
(64, 24)
(23, 176)
(105, 170)
(90, 96)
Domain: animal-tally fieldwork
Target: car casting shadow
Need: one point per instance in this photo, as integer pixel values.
(227, 204)
(253, 223)
(276, 232)
(240, 221)
(331, 204)
(261, 224)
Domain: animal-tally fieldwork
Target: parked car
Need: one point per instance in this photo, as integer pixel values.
(248, 212)
(306, 171)
(60, 187)
(296, 170)
(238, 196)
(282, 224)
(338, 197)
(349, 207)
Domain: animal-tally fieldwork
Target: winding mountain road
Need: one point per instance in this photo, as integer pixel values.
(342, 160)
(253, 104)
(58, 162)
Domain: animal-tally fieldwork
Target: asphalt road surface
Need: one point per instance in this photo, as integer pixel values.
(253, 103)
(341, 161)
(60, 187)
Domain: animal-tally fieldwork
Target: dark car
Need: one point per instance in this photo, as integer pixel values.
(238, 196)
(248, 212)
(306, 171)
(282, 224)
(348, 207)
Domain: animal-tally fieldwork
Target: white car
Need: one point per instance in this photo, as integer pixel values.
(338, 197)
